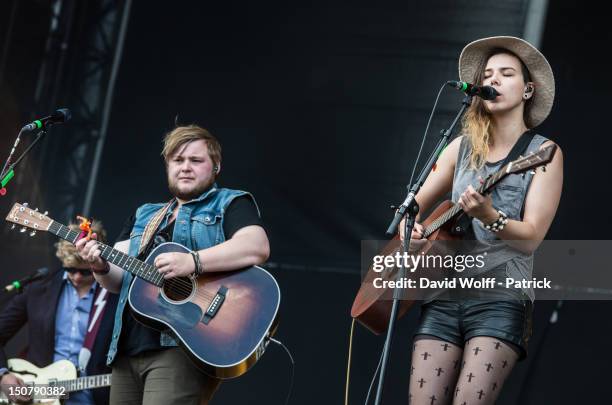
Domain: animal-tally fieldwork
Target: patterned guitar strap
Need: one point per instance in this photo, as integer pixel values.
(93, 325)
(152, 226)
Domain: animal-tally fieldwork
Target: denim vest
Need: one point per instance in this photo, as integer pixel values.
(509, 196)
(198, 225)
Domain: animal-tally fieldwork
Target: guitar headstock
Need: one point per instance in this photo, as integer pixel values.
(23, 215)
(532, 161)
(521, 165)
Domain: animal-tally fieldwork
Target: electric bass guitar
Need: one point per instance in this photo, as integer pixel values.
(223, 320)
(57, 379)
(372, 306)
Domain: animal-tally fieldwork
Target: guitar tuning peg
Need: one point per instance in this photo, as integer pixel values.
(25, 204)
(532, 171)
(23, 229)
(544, 169)
(36, 209)
(32, 233)
(12, 227)
(45, 213)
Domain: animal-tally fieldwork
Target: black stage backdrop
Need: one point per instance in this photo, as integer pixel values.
(320, 109)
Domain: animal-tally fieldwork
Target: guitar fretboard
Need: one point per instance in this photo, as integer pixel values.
(85, 383)
(441, 220)
(133, 265)
(487, 185)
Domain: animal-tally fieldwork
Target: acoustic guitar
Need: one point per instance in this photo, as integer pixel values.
(223, 319)
(447, 222)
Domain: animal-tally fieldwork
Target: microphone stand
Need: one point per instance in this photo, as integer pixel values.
(8, 172)
(410, 209)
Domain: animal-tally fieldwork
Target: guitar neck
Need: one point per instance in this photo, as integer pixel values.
(131, 264)
(486, 187)
(441, 220)
(85, 383)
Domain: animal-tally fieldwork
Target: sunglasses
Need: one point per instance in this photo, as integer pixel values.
(84, 272)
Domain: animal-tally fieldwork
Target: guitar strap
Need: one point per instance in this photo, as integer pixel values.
(152, 226)
(519, 147)
(96, 313)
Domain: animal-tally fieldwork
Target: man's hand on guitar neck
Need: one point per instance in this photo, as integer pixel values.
(90, 252)
(10, 380)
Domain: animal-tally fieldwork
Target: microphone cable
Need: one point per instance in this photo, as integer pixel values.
(374, 376)
(433, 110)
(278, 342)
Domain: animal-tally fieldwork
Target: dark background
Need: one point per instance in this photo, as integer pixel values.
(320, 107)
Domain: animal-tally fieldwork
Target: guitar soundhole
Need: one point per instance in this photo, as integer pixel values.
(179, 289)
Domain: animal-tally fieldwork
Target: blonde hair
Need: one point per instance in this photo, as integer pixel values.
(476, 123)
(182, 135)
(66, 252)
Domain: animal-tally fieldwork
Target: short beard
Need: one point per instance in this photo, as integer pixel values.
(188, 196)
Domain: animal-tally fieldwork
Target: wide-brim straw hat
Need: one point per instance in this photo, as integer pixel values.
(539, 69)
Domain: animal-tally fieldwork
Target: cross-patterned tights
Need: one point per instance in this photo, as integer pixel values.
(443, 373)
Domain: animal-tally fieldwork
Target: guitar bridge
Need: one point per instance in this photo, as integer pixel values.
(215, 304)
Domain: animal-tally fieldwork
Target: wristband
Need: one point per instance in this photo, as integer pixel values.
(197, 263)
(499, 223)
(102, 272)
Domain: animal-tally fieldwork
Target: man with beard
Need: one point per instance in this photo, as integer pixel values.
(223, 228)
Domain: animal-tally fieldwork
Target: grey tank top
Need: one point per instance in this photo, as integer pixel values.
(508, 196)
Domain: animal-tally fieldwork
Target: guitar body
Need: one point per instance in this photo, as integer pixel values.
(372, 306)
(29, 373)
(222, 319)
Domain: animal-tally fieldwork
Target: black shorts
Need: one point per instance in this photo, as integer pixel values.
(458, 321)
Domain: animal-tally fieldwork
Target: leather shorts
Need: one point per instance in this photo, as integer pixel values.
(457, 321)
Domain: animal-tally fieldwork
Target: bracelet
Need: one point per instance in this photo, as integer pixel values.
(199, 269)
(499, 223)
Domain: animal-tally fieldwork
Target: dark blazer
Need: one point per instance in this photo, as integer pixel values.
(37, 306)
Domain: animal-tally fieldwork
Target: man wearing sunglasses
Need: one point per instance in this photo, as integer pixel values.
(65, 312)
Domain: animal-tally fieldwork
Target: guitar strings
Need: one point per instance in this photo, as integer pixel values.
(179, 285)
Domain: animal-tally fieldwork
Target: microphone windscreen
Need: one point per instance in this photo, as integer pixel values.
(488, 93)
(62, 115)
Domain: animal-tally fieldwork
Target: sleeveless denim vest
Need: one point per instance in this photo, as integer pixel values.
(508, 196)
(198, 225)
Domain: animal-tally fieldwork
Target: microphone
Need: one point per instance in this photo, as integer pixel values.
(18, 284)
(58, 117)
(484, 92)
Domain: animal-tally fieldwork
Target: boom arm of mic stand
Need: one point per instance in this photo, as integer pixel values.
(8, 175)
